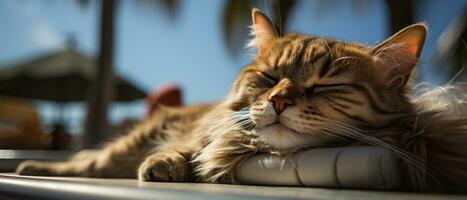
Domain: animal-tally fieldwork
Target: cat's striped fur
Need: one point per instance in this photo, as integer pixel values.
(300, 91)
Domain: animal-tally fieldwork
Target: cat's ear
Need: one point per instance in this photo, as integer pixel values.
(401, 52)
(262, 29)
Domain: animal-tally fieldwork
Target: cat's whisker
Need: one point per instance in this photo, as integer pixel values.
(339, 137)
(409, 158)
(400, 154)
(223, 124)
(366, 138)
(235, 121)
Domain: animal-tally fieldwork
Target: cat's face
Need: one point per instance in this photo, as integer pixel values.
(304, 90)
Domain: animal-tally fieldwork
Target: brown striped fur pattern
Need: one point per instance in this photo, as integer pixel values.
(301, 91)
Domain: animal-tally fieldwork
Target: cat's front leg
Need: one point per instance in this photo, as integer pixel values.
(168, 166)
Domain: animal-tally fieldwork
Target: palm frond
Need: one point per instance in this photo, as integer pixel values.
(236, 19)
(235, 24)
(282, 10)
(170, 7)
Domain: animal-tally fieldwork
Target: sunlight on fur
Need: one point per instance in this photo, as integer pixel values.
(300, 91)
(450, 99)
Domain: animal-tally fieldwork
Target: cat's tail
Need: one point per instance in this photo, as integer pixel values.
(439, 136)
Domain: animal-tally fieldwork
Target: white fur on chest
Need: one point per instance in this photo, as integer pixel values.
(282, 137)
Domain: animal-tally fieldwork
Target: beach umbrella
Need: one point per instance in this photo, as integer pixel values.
(63, 76)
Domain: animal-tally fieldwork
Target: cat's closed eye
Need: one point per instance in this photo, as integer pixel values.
(271, 79)
(322, 89)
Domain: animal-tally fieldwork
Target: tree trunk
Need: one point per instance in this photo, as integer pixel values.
(103, 87)
(400, 14)
(283, 11)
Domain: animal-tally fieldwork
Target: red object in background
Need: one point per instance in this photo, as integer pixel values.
(167, 95)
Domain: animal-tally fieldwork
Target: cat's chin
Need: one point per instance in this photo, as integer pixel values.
(282, 137)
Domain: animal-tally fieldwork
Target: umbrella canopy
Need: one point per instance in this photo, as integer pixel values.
(63, 76)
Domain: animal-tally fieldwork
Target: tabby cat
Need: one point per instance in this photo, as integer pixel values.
(301, 91)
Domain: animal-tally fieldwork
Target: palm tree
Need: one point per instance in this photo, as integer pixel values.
(102, 94)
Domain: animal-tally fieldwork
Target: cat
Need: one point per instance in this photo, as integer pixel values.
(301, 91)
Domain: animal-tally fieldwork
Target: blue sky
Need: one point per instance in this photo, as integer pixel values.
(152, 50)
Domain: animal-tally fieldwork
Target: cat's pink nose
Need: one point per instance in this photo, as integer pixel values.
(280, 103)
(282, 95)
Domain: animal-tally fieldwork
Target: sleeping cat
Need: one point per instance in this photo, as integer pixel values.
(300, 91)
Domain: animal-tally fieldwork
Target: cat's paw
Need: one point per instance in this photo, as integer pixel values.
(167, 167)
(33, 168)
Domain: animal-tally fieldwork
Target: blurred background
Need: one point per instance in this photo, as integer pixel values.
(74, 73)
